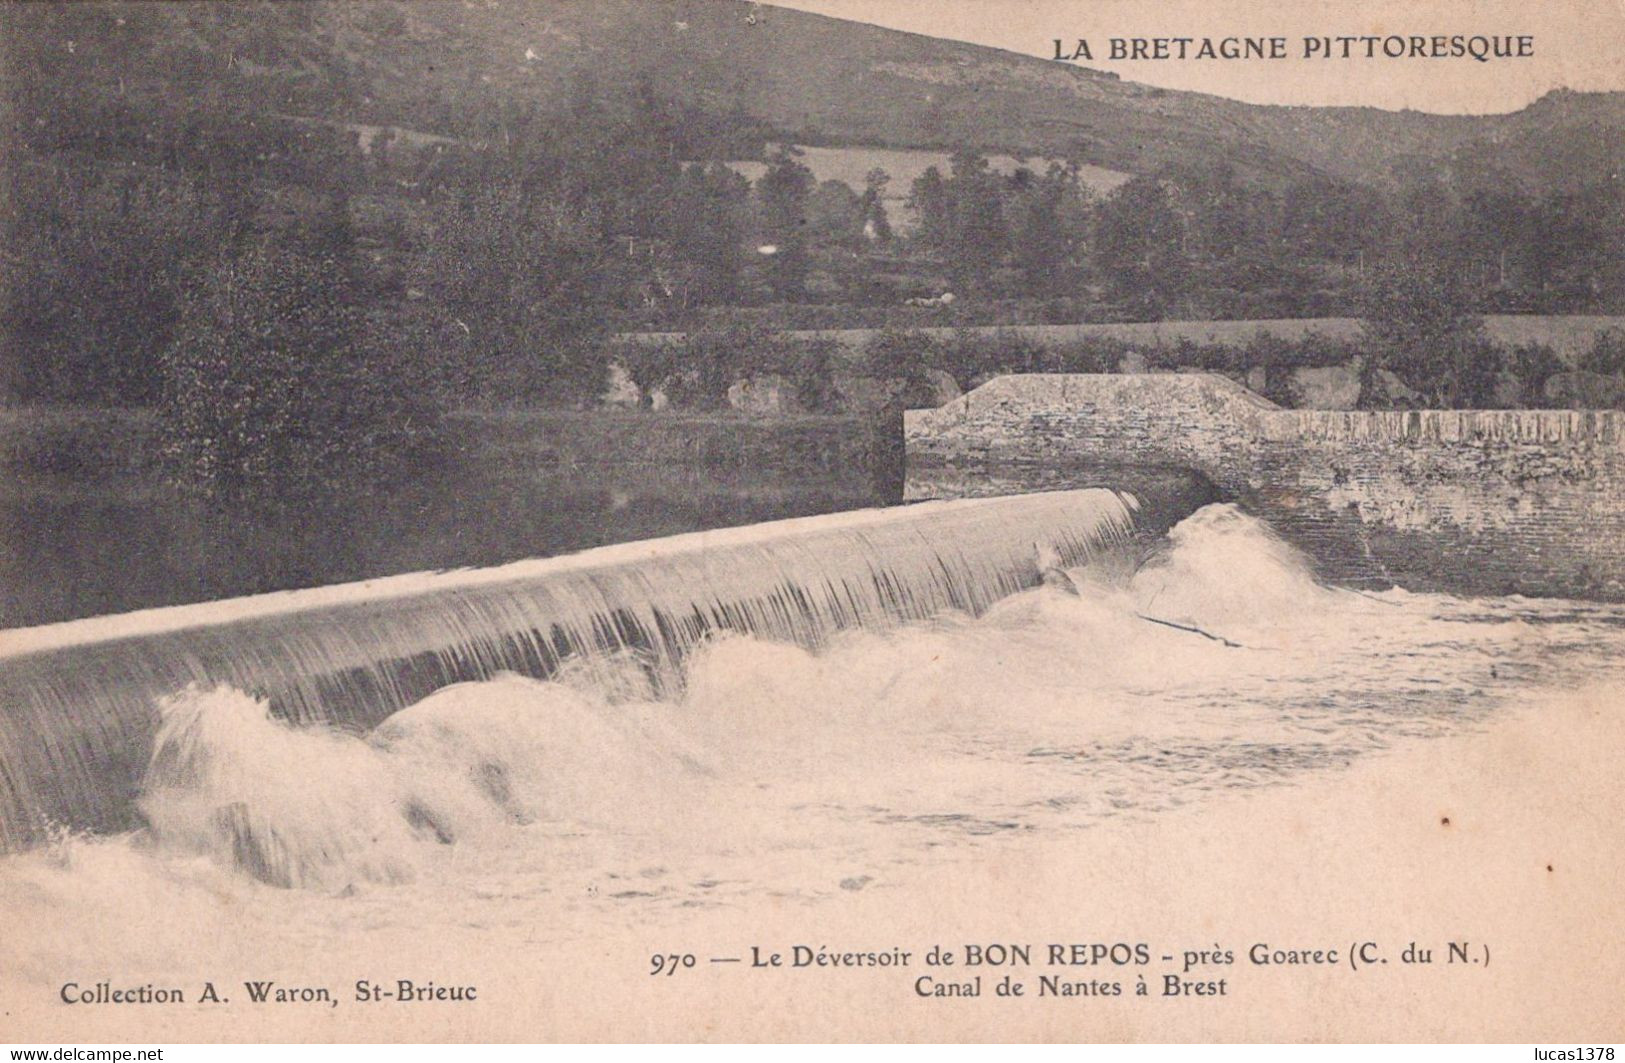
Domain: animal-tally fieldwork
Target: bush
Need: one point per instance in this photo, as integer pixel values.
(898, 352)
(905, 355)
(1533, 364)
(650, 366)
(1606, 354)
(970, 355)
(1478, 363)
(708, 361)
(696, 370)
(1084, 356)
(811, 369)
(885, 310)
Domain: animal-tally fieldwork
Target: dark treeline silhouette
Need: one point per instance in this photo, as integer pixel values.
(1194, 241)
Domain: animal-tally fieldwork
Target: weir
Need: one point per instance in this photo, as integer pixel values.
(78, 700)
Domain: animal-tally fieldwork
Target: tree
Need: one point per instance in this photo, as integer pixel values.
(835, 217)
(278, 394)
(977, 235)
(528, 279)
(928, 200)
(95, 262)
(782, 193)
(1213, 209)
(875, 223)
(1052, 218)
(1575, 257)
(707, 224)
(1137, 247)
(1497, 227)
(1420, 324)
(1334, 221)
(962, 218)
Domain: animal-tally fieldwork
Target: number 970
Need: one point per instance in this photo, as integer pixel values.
(669, 963)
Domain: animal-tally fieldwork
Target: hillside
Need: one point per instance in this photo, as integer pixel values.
(450, 68)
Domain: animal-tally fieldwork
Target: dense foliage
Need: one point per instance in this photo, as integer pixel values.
(279, 390)
(1419, 324)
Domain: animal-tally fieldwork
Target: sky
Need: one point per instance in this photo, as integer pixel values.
(1577, 44)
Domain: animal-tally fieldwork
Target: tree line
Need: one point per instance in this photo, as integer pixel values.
(302, 297)
(1194, 241)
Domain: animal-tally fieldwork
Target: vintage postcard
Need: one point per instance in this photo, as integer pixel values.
(885, 520)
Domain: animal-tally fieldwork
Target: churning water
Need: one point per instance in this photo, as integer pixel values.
(762, 767)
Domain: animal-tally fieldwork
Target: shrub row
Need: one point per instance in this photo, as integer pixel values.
(697, 369)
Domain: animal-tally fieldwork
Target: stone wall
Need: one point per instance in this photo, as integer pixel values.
(1474, 502)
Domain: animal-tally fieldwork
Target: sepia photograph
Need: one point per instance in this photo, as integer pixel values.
(817, 521)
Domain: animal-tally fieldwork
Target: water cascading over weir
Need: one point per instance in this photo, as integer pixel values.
(79, 700)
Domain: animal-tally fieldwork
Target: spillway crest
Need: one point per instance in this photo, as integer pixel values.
(79, 701)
